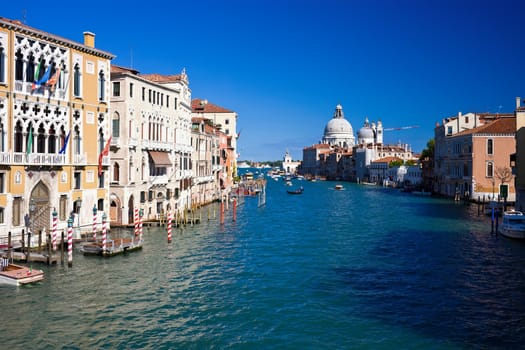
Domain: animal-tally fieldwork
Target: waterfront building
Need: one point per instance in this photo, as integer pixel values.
(517, 159)
(289, 166)
(205, 162)
(310, 166)
(222, 118)
(151, 144)
(475, 162)
(55, 128)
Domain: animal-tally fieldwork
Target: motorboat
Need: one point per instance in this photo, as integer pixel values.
(512, 225)
(339, 187)
(17, 275)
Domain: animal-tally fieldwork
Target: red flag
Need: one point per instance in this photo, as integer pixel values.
(105, 152)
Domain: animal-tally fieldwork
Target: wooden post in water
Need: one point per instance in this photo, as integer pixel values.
(48, 246)
(70, 242)
(234, 209)
(9, 245)
(62, 249)
(40, 241)
(28, 251)
(23, 241)
(479, 205)
(222, 212)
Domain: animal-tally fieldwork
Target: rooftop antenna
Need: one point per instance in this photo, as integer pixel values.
(24, 16)
(131, 57)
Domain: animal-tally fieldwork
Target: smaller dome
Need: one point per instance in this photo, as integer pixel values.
(366, 133)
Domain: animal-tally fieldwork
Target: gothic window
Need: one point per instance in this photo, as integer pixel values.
(30, 68)
(41, 140)
(77, 140)
(76, 80)
(19, 66)
(29, 141)
(19, 138)
(52, 141)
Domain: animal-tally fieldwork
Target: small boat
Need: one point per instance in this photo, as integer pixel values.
(513, 224)
(113, 247)
(300, 190)
(339, 187)
(17, 275)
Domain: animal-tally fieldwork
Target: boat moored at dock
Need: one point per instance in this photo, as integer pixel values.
(17, 275)
(512, 225)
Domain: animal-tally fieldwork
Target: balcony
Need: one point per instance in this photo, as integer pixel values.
(80, 159)
(38, 159)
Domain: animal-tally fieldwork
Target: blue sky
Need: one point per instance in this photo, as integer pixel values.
(283, 66)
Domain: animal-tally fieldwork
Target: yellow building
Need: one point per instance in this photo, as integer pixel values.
(54, 128)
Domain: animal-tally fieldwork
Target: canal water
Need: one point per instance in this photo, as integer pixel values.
(364, 268)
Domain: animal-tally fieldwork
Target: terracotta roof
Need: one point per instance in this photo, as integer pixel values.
(386, 160)
(119, 69)
(318, 146)
(203, 106)
(158, 78)
(498, 126)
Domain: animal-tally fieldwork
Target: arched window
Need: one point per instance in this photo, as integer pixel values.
(19, 137)
(116, 124)
(41, 140)
(101, 85)
(490, 169)
(77, 141)
(116, 172)
(76, 80)
(490, 146)
(52, 141)
(19, 66)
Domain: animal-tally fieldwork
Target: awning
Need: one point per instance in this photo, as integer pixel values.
(161, 159)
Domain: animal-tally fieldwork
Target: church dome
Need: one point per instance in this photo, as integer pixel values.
(366, 134)
(338, 126)
(338, 131)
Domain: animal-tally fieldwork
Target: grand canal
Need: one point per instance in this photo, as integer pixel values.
(365, 267)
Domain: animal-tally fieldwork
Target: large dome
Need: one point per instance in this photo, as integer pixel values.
(366, 134)
(338, 131)
(338, 126)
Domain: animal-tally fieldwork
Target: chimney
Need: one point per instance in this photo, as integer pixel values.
(518, 102)
(89, 39)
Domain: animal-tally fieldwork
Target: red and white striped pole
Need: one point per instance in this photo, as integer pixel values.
(169, 226)
(95, 223)
(140, 224)
(103, 233)
(55, 223)
(70, 242)
(136, 222)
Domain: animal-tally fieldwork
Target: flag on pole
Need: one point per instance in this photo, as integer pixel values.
(63, 149)
(44, 78)
(30, 141)
(105, 152)
(53, 80)
(35, 78)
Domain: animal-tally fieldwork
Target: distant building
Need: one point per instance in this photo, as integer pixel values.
(289, 166)
(222, 118)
